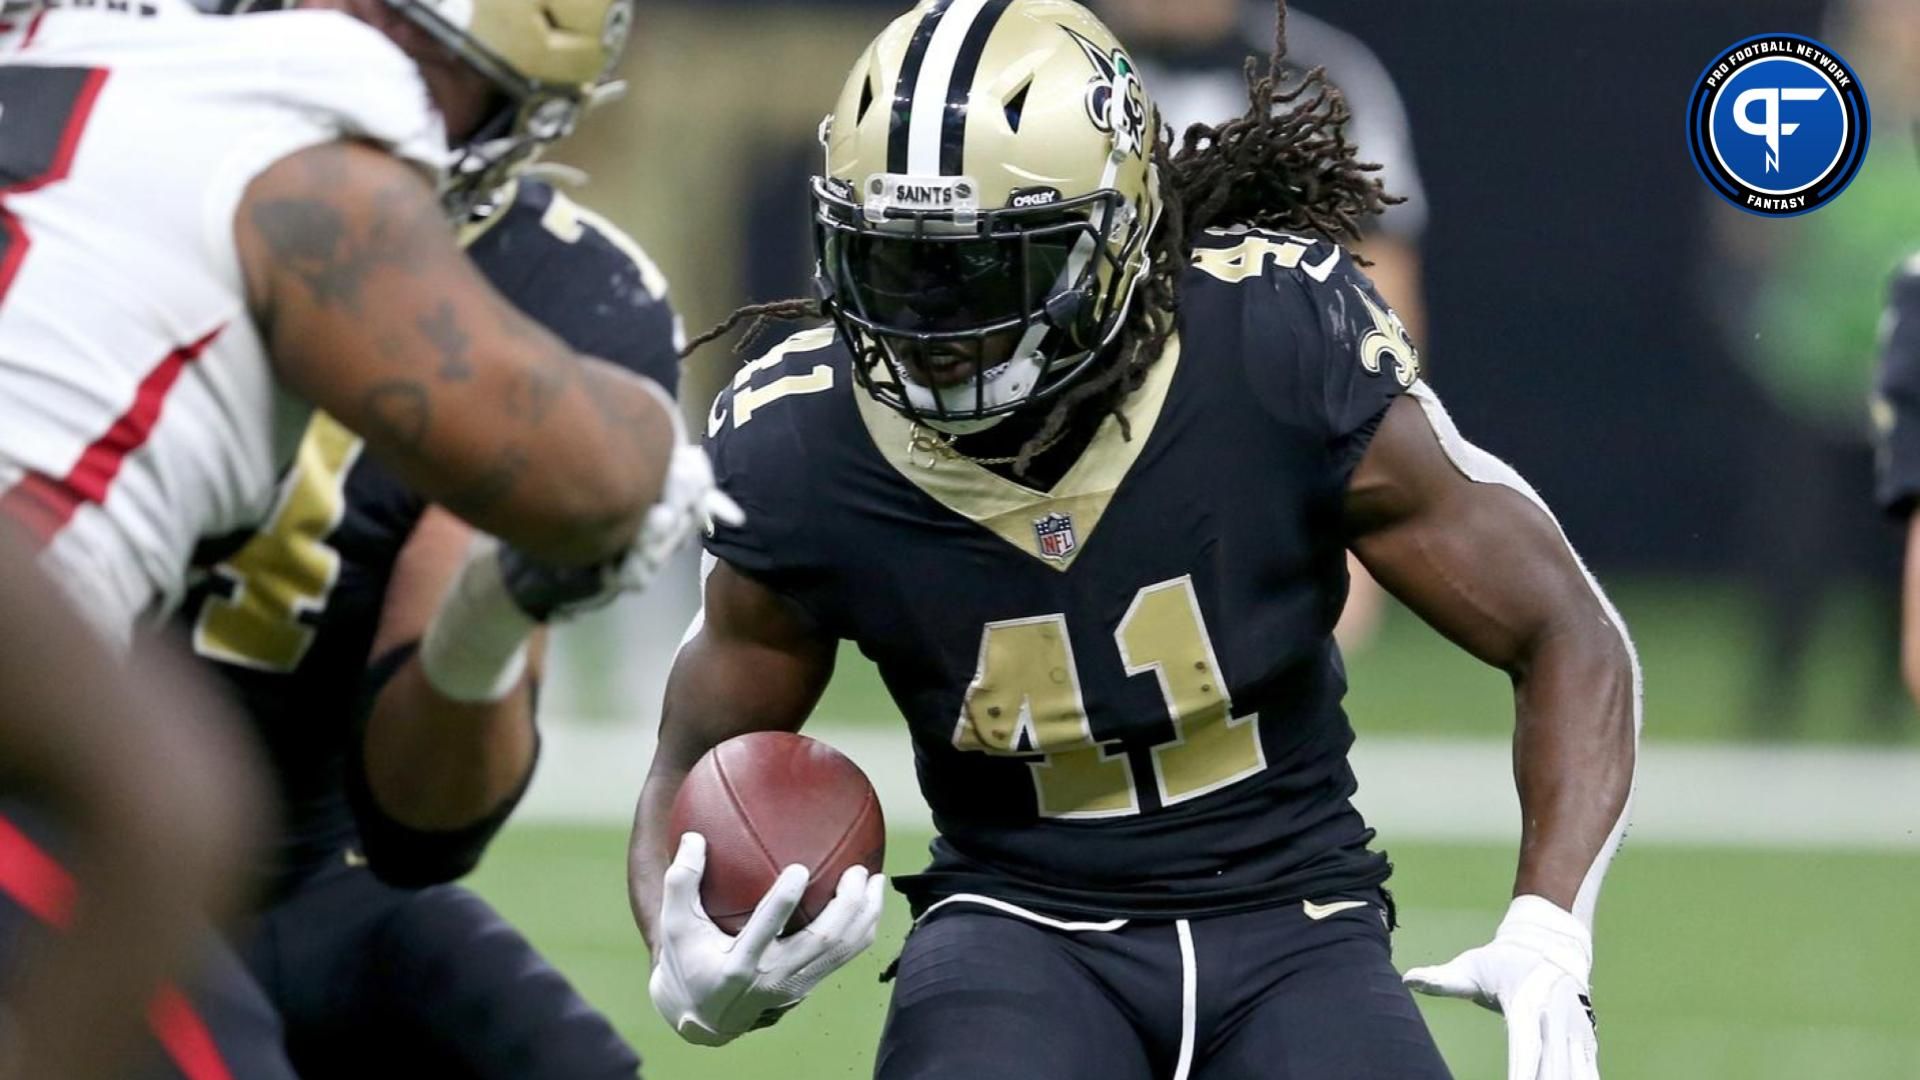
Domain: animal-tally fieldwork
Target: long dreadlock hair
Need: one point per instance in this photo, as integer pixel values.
(1285, 164)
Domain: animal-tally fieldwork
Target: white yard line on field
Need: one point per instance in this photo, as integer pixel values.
(1410, 788)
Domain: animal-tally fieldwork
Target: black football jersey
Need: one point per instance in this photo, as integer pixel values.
(289, 618)
(1896, 403)
(1123, 692)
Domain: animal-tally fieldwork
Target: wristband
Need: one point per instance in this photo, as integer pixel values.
(475, 651)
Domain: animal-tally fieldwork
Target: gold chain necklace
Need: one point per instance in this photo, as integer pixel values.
(937, 445)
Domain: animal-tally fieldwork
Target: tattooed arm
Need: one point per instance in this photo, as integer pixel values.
(372, 313)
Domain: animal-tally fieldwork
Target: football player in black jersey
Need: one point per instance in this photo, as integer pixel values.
(1896, 422)
(1076, 464)
(389, 661)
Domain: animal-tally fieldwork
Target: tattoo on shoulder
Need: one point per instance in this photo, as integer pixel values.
(317, 239)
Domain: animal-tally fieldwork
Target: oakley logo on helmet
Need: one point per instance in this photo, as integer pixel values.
(1031, 197)
(1116, 98)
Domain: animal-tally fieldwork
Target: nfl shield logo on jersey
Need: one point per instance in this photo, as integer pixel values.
(1055, 534)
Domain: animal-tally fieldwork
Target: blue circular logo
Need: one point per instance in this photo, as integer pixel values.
(1779, 125)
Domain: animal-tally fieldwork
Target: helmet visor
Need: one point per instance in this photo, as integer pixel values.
(958, 315)
(944, 285)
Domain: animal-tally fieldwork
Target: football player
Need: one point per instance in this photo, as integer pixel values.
(1076, 465)
(152, 849)
(376, 966)
(1896, 422)
(211, 224)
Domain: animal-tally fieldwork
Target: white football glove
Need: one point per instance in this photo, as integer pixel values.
(1536, 972)
(712, 988)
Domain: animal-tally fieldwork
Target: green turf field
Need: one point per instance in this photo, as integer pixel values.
(1713, 964)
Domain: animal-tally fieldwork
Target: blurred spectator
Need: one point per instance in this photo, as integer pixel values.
(1896, 423)
(1193, 56)
(1799, 302)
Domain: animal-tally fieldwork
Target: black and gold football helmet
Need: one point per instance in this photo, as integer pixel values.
(551, 60)
(983, 219)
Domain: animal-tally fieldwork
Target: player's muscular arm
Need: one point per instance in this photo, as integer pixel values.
(1489, 568)
(439, 774)
(756, 663)
(372, 313)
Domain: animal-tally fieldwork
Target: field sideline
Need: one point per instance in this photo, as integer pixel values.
(1411, 788)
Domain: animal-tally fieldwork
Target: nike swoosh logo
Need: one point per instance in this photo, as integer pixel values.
(1324, 271)
(1317, 912)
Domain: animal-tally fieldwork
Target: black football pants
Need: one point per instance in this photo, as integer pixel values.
(373, 981)
(987, 994)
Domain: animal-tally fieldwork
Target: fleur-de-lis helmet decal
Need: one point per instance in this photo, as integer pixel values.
(1116, 98)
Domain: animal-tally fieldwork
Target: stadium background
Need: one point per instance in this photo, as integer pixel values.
(1637, 348)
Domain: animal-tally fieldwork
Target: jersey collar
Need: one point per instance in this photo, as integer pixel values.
(1018, 514)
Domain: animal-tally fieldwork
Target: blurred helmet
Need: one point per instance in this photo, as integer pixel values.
(551, 59)
(984, 216)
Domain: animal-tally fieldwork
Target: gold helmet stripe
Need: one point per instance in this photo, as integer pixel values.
(929, 132)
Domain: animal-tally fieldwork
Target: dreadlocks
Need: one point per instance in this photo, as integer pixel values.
(1285, 164)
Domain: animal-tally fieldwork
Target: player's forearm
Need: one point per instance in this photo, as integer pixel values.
(749, 663)
(373, 314)
(705, 706)
(1574, 752)
(651, 849)
(434, 764)
(567, 478)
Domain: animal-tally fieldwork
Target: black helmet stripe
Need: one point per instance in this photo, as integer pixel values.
(953, 129)
(902, 120)
(928, 131)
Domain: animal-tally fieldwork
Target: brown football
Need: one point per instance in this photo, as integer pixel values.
(771, 800)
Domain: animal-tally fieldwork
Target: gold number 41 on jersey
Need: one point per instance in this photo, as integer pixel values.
(1025, 701)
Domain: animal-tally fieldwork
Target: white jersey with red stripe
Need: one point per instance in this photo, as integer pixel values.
(138, 412)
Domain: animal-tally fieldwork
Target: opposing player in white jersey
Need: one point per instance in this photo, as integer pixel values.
(149, 847)
(204, 222)
(206, 227)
